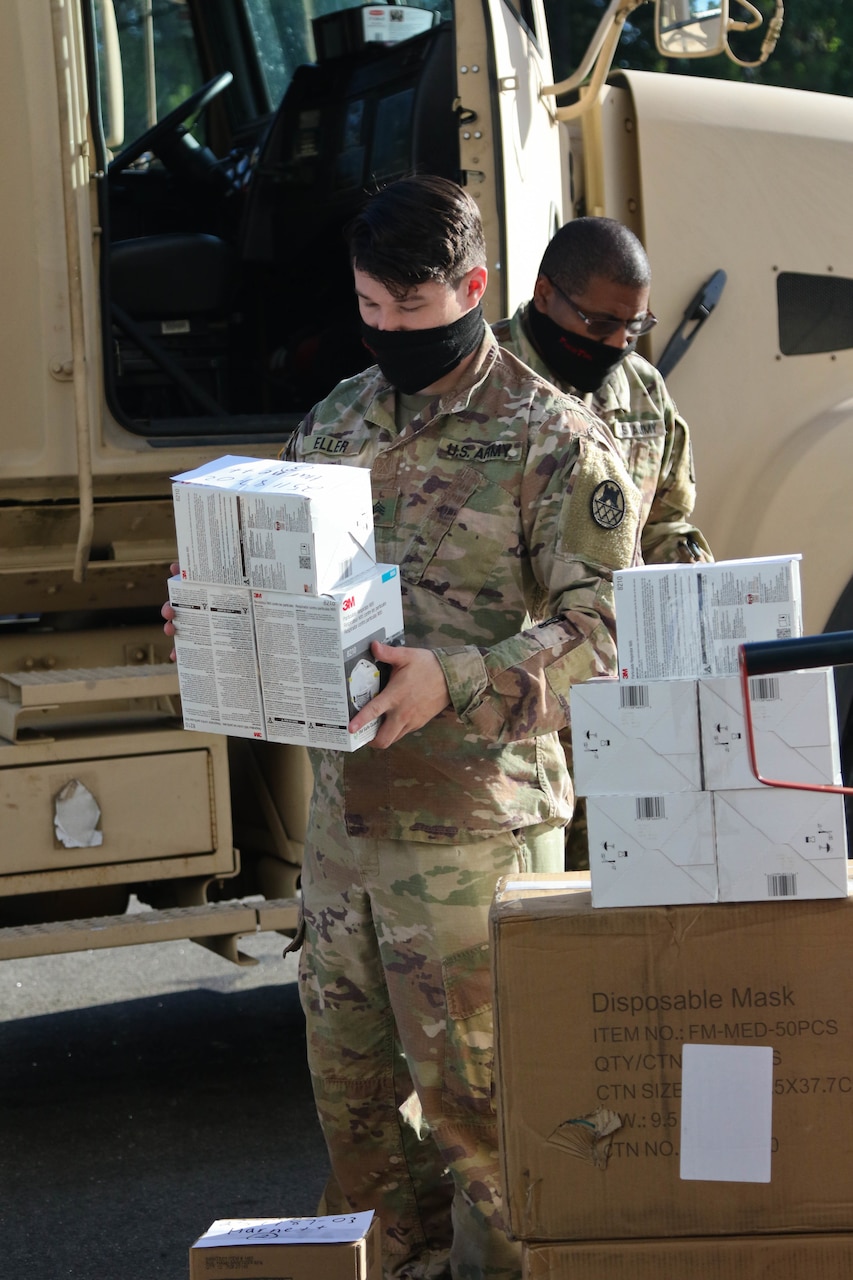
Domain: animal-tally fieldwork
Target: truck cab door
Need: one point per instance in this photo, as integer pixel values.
(509, 140)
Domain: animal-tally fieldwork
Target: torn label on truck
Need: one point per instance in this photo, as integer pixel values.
(76, 817)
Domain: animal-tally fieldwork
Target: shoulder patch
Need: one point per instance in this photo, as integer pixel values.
(602, 519)
(607, 504)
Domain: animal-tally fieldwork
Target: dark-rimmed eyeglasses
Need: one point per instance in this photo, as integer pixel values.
(604, 326)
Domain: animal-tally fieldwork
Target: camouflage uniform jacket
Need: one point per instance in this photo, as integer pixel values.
(485, 501)
(653, 438)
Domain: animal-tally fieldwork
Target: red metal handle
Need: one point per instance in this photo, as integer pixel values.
(834, 648)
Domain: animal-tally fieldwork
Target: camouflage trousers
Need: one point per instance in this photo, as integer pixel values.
(396, 988)
(577, 838)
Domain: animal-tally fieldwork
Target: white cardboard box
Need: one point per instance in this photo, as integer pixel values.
(635, 738)
(217, 664)
(317, 669)
(795, 724)
(654, 850)
(283, 526)
(288, 668)
(687, 621)
(773, 843)
(347, 1247)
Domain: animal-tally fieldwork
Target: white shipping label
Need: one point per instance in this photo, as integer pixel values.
(726, 1112)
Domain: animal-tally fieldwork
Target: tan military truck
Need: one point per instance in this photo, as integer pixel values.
(177, 174)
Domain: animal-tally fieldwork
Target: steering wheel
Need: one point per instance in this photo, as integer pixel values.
(151, 138)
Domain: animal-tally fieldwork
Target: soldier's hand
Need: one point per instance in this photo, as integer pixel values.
(168, 614)
(414, 694)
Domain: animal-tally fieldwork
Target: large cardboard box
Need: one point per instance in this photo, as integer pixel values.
(796, 1257)
(652, 850)
(635, 738)
(795, 725)
(280, 526)
(776, 843)
(332, 1248)
(593, 1010)
(686, 621)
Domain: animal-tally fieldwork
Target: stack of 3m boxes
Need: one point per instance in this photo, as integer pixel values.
(675, 1073)
(675, 812)
(278, 600)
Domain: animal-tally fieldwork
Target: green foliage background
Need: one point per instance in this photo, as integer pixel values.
(815, 50)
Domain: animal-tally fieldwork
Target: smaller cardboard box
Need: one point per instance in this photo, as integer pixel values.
(283, 526)
(217, 664)
(796, 1257)
(776, 843)
(794, 720)
(652, 850)
(317, 667)
(345, 1247)
(686, 621)
(285, 668)
(635, 738)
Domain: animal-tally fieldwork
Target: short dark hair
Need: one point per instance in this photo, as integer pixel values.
(417, 229)
(589, 247)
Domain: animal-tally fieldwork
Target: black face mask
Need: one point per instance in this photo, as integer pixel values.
(412, 359)
(574, 359)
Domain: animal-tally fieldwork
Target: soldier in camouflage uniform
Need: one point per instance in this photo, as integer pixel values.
(589, 306)
(507, 508)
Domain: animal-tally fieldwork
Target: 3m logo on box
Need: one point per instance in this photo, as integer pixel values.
(348, 603)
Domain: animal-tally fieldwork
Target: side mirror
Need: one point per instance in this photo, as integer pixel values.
(691, 28)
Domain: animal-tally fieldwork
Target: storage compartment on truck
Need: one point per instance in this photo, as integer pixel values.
(114, 808)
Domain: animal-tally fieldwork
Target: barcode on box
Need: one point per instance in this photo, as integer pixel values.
(650, 807)
(764, 688)
(782, 886)
(633, 695)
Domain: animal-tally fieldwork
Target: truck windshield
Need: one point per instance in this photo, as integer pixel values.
(283, 36)
(159, 60)
(220, 320)
(159, 54)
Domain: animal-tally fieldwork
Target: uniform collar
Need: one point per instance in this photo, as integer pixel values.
(380, 411)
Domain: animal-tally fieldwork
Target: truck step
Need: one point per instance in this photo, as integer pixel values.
(85, 684)
(215, 924)
(27, 696)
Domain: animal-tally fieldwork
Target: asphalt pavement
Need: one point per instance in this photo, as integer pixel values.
(145, 1092)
